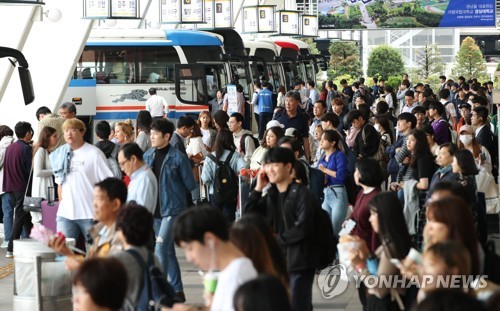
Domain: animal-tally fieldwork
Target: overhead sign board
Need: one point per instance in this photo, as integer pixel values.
(371, 14)
(288, 22)
(309, 25)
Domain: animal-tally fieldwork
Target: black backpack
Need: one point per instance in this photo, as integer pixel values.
(242, 142)
(325, 240)
(225, 181)
(155, 290)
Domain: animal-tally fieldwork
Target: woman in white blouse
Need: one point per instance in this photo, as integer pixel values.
(42, 170)
(196, 149)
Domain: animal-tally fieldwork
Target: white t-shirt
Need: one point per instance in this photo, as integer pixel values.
(196, 146)
(236, 273)
(88, 166)
(206, 137)
(157, 106)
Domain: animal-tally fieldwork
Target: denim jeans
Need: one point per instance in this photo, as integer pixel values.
(8, 216)
(165, 250)
(72, 228)
(335, 203)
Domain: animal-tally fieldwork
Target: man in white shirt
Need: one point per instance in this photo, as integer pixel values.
(156, 105)
(87, 166)
(143, 186)
(410, 102)
(202, 233)
(243, 141)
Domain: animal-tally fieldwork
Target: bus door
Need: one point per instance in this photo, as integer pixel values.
(191, 86)
(217, 78)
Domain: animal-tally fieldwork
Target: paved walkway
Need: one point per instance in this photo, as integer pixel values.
(192, 285)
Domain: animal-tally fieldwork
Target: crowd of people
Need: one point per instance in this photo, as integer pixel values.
(406, 177)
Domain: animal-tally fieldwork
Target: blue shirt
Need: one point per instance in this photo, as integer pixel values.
(143, 188)
(265, 101)
(336, 162)
(298, 122)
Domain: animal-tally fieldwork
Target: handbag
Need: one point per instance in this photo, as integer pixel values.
(31, 204)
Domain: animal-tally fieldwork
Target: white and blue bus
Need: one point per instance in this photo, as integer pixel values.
(116, 70)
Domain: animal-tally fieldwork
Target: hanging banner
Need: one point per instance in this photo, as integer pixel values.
(288, 22)
(309, 25)
(170, 11)
(124, 9)
(192, 11)
(96, 9)
(368, 14)
(223, 14)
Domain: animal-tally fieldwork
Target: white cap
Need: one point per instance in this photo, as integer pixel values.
(289, 132)
(274, 123)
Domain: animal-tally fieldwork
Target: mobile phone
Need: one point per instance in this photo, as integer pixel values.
(483, 156)
(395, 262)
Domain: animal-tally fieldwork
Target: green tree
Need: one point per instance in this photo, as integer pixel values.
(469, 61)
(344, 59)
(385, 61)
(312, 45)
(429, 63)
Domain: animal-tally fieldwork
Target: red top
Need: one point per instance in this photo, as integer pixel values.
(361, 214)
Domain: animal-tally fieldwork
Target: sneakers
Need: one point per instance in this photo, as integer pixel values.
(9, 255)
(4, 244)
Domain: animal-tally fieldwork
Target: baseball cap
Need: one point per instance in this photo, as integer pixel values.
(465, 105)
(290, 132)
(466, 128)
(274, 123)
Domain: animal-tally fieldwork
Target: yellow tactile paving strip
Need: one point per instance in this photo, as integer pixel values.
(7, 270)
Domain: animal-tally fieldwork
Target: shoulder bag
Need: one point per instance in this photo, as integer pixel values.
(32, 204)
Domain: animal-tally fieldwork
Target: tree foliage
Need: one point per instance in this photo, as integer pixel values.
(312, 45)
(385, 61)
(429, 63)
(344, 59)
(469, 61)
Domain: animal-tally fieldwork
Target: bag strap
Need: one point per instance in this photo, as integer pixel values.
(29, 179)
(228, 158)
(144, 267)
(211, 157)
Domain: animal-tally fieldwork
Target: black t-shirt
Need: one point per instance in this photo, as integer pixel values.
(160, 155)
(425, 168)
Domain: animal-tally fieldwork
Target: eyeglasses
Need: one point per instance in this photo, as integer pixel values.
(121, 164)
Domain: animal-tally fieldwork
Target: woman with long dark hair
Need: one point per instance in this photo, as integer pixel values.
(464, 166)
(335, 167)
(225, 150)
(423, 167)
(386, 219)
(42, 169)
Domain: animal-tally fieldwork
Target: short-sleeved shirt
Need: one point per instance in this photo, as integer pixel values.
(298, 122)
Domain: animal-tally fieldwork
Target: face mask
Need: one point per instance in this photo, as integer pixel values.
(466, 139)
(377, 127)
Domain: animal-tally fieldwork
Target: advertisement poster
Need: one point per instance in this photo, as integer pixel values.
(376, 14)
